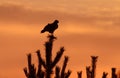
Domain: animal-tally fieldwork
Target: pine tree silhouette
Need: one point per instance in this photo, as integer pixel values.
(48, 64)
(90, 70)
(114, 75)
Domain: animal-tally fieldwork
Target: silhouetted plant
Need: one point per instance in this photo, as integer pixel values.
(104, 75)
(48, 64)
(62, 73)
(94, 60)
(79, 74)
(114, 75)
(40, 73)
(90, 70)
(31, 72)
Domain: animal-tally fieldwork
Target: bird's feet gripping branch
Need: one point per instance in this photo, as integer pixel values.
(50, 27)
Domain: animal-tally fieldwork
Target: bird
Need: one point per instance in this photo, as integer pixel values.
(50, 27)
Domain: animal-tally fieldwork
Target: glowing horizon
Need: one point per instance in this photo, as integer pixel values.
(86, 28)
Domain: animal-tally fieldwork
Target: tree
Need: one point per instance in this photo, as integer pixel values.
(48, 64)
(90, 70)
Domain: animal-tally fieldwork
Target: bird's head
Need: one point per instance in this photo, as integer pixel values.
(56, 21)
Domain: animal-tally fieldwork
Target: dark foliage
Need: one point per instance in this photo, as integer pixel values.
(62, 73)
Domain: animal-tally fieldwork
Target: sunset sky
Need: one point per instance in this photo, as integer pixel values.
(86, 27)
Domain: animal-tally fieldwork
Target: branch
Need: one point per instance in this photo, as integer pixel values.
(57, 58)
(26, 72)
(57, 72)
(64, 67)
(41, 61)
(79, 74)
(68, 74)
(104, 75)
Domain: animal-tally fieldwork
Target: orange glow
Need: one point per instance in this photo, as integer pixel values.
(86, 28)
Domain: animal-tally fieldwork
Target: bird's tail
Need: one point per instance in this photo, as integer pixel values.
(42, 31)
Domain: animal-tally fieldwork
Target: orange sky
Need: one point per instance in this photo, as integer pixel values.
(87, 27)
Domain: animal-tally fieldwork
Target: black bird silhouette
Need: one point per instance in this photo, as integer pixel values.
(51, 27)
